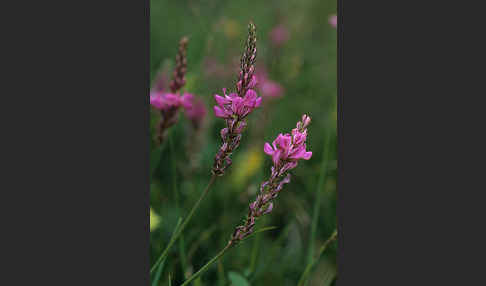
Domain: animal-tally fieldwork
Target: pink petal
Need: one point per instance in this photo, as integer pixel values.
(276, 156)
(221, 100)
(298, 153)
(283, 141)
(253, 82)
(269, 208)
(187, 100)
(258, 102)
(307, 155)
(219, 112)
(268, 149)
(250, 95)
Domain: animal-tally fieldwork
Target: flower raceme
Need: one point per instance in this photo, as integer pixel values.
(169, 103)
(236, 106)
(286, 150)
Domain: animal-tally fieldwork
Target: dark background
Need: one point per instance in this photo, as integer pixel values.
(75, 187)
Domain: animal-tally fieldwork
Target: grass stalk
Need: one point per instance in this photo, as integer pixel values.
(184, 224)
(207, 265)
(317, 202)
(311, 265)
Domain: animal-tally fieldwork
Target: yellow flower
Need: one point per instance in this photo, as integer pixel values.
(154, 220)
(251, 160)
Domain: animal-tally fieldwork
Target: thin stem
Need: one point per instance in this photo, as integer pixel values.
(254, 253)
(205, 267)
(184, 224)
(317, 202)
(309, 266)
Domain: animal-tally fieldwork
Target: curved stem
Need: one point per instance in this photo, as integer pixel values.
(184, 224)
(207, 265)
(309, 266)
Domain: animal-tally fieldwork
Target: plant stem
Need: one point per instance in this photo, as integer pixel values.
(317, 202)
(184, 224)
(309, 266)
(205, 267)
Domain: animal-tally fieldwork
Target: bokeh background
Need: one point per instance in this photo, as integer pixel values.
(297, 49)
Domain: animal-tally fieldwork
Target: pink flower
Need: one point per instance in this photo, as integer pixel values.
(186, 100)
(267, 87)
(195, 109)
(287, 149)
(233, 105)
(279, 35)
(333, 21)
(271, 88)
(156, 99)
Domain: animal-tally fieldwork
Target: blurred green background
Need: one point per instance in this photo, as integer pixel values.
(305, 67)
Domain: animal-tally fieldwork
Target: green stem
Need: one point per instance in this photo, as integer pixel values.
(309, 266)
(317, 202)
(254, 253)
(205, 267)
(184, 224)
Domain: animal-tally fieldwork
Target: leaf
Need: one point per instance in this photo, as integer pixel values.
(237, 279)
(157, 274)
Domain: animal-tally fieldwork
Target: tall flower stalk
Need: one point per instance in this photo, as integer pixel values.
(169, 103)
(234, 108)
(286, 150)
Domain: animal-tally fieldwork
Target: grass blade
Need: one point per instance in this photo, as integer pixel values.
(158, 273)
(164, 255)
(308, 268)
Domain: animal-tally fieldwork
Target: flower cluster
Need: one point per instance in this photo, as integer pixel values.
(165, 101)
(286, 151)
(195, 111)
(169, 103)
(232, 105)
(236, 106)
